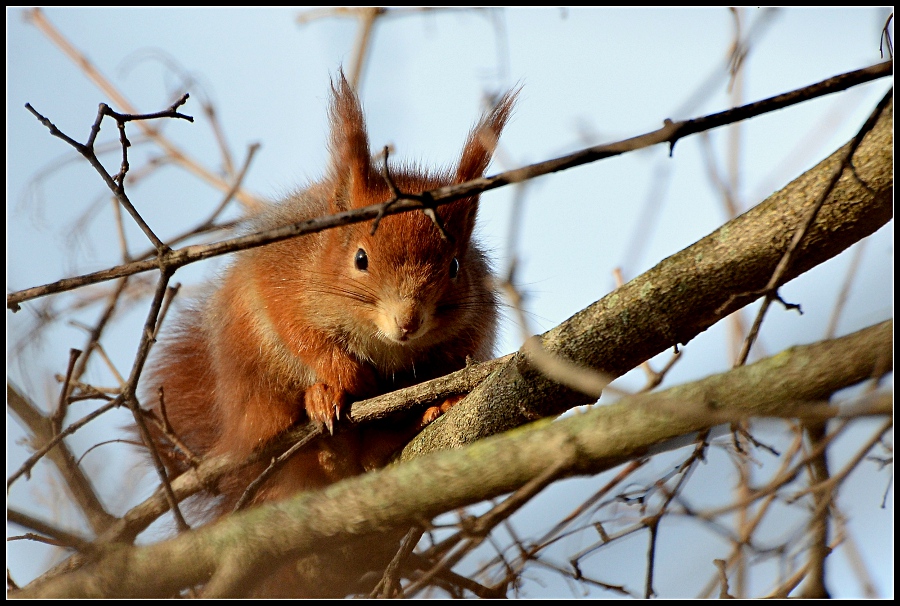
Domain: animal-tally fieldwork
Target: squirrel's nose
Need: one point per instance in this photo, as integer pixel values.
(408, 325)
(403, 320)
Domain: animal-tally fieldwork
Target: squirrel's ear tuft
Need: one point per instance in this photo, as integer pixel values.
(476, 155)
(482, 141)
(350, 160)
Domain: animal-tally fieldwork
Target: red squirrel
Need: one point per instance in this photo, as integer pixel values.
(296, 330)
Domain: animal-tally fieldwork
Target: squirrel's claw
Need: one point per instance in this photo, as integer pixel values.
(323, 405)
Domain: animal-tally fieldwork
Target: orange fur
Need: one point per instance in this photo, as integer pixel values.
(298, 329)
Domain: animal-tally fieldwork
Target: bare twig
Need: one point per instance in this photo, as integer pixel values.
(38, 19)
(397, 195)
(130, 399)
(473, 533)
(831, 329)
(770, 291)
(670, 133)
(56, 419)
(566, 372)
(819, 522)
(79, 485)
(389, 585)
(367, 17)
(115, 183)
(25, 469)
(60, 538)
(311, 431)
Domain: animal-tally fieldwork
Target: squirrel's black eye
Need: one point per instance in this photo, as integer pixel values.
(454, 268)
(361, 260)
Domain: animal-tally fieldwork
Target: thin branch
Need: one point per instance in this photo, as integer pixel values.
(115, 183)
(30, 462)
(61, 538)
(312, 431)
(819, 520)
(389, 585)
(556, 368)
(367, 17)
(784, 264)
(38, 19)
(381, 500)
(852, 270)
(129, 398)
(56, 419)
(474, 532)
(77, 482)
(397, 195)
(670, 133)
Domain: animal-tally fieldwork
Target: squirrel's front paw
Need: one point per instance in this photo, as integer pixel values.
(324, 404)
(433, 412)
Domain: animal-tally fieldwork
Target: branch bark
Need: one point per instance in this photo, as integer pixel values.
(670, 304)
(684, 294)
(404, 495)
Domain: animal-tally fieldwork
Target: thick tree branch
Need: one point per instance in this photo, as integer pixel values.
(406, 494)
(671, 303)
(686, 293)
